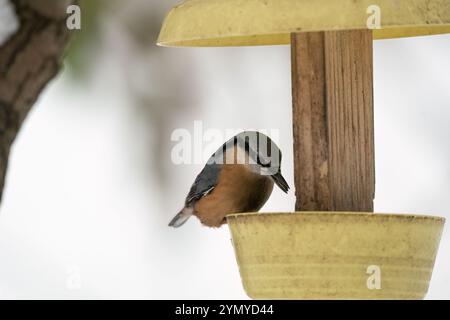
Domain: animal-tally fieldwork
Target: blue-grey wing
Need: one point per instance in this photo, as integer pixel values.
(204, 183)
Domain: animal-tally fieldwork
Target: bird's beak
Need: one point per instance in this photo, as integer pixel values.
(280, 181)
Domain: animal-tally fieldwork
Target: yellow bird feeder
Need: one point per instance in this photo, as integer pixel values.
(334, 246)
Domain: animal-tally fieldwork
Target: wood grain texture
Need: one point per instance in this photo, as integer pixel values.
(332, 88)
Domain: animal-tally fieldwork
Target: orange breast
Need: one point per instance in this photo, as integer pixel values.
(238, 190)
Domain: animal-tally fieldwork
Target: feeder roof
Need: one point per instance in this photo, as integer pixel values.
(209, 23)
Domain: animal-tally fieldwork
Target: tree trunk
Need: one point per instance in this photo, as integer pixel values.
(28, 61)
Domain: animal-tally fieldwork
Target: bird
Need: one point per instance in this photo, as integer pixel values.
(239, 177)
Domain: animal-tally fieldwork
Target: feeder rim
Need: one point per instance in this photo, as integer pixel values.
(283, 38)
(405, 216)
(223, 23)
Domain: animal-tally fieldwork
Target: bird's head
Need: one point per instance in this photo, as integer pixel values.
(264, 156)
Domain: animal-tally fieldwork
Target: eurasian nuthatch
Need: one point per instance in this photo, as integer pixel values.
(239, 177)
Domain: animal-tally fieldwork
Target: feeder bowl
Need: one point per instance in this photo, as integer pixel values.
(335, 255)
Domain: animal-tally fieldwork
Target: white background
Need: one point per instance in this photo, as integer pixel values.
(91, 187)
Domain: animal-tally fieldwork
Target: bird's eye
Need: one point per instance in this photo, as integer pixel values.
(264, 165)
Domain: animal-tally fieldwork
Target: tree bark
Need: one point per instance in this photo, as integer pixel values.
(28, 61)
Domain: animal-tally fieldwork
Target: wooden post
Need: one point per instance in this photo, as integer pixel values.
(332, 85)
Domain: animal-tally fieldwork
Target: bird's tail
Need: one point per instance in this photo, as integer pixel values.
(181, 217)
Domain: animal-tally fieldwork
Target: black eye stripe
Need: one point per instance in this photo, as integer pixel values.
(246, 145)
(264, 165)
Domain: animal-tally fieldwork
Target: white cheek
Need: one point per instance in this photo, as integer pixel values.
(270, 171)
(9, 23)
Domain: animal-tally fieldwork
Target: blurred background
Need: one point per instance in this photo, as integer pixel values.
(91, 185)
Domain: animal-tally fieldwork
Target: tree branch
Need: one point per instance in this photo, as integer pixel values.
(28, 61)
